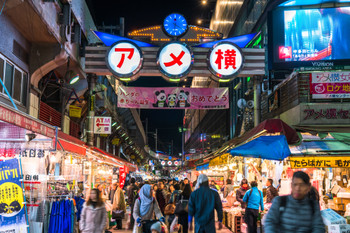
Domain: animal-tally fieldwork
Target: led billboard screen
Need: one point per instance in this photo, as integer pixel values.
(304, 37)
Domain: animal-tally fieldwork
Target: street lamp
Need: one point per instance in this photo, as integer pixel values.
(204, 2)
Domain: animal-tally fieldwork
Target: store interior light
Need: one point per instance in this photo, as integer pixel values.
(118, 127)
(30, 136)
(204, 2)
(72, 77)
(114, 124)
(123, 134)
(126, 138)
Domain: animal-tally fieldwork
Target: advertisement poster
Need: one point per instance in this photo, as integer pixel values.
(173, 98)
(330, 85)
(12, 214)
(122, 176)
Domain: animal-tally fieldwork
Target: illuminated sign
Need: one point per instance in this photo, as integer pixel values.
(225, 60)
(330, 85)
(102, 125)
(124, 59)
(175, 60)
(163, 163)
(176, 163)
(314, 162)
(170, 163)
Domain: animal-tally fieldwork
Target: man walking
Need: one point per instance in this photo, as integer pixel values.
(271, 191)
(118, 203)
(254, 199)
(201, 206)
(295, 212)
(132, 193)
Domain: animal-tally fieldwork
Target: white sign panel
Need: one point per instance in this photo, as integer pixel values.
(124, 59)
(102, 125)
(330, 85)
(225, 60)
(175, 60)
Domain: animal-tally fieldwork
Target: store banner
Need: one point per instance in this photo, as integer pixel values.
(12, 214)
(330, 85)
(173, 98)
(317, 162)
(122, 176)
(221, 160)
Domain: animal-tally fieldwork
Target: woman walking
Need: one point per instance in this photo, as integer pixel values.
(145, 207)
(94, 214)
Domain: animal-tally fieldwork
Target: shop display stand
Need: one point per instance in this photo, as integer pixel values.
(238, 224)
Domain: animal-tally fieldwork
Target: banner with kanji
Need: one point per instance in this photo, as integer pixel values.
(318, 162)
(330, 85)
(173, 98)
(122, 176)
(12, 214)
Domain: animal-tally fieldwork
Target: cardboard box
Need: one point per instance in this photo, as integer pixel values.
(340, 207)
(330, 217)
(342, 228)
(337, 200)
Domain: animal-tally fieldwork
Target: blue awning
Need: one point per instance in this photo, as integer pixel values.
(264, 147)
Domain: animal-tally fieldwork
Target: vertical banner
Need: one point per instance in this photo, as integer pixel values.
(122, 176)
(12, 213)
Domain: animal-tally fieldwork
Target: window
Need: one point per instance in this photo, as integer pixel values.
(15, 81)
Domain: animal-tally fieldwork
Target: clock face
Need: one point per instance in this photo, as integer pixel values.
(175, 25)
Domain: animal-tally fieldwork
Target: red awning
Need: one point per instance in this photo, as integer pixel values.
(71, 144)
(132, 167)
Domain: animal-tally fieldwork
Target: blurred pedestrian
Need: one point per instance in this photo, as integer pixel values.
(93, 215)
(119, 204)
(145, 208)
(184, 198)
(132, 193)
(228, 188)
(271, 191)
(241, 191)
(161, 196)
(201, 206)
(254, 199)
(295, 212)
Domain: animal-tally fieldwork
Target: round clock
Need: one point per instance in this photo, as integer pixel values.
(175, 25)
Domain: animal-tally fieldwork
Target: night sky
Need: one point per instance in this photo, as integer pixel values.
(140, 14)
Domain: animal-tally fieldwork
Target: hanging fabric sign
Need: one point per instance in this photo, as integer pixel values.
(122, 176)
(173, 98)
(12, 214)
(313, 162)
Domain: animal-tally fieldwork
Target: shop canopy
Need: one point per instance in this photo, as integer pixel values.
(264, 147)
(267, 127)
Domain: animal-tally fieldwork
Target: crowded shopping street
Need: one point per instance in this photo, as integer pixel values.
(187, 116)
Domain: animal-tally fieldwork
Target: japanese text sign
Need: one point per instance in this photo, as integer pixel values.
(122, 176)
(173, 98)
(102, 125)
(225, 60)
(12, 215)
(221, 160)
(124, 59)
(175, 60)
(330, 85)
(316, 162)
(335, 113)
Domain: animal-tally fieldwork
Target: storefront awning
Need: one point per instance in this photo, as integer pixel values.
(71, 144)
(264, 147)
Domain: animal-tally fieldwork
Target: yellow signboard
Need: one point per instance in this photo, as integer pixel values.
(315, 162)
(116, 141)
(223, 159)
(74, 111)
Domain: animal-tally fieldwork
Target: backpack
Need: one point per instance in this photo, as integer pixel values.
(251, 194)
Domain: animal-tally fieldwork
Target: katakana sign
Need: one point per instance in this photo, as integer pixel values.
(102, 125)
(175, 60)
(317, 162)
(124, 59)
(330, 85)
(225, 60)
(325, 113)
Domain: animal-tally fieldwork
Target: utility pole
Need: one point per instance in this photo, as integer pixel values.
(156, 136)
(146, 131)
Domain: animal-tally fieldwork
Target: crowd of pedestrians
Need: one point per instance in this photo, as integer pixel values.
(174, 206)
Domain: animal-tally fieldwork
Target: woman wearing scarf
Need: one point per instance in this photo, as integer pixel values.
(241, 191)
(145, 207)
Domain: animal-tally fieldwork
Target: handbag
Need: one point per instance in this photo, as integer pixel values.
(118, 214)
(181, 206)
(174, 227)
(169, 209)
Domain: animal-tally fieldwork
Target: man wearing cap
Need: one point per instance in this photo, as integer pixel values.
(201, 206)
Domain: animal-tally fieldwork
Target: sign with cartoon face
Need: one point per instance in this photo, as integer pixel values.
(12, 215)
(173, 98)
(225, 60)
(124, 59)
(175, 60)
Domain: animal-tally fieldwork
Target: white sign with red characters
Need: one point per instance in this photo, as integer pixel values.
(124, 59)
(225, 60)
(102, 125)
(122, 176)
(175, 60)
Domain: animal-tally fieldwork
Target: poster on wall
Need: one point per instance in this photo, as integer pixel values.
(12, 213)
(173, 98)
(330, 85)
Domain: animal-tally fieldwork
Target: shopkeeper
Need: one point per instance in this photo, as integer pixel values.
(241, 191)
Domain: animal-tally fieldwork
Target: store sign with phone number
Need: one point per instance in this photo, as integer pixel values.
(317, 162)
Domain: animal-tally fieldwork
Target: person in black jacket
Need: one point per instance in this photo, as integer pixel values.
(184, 197)
(132, 193)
